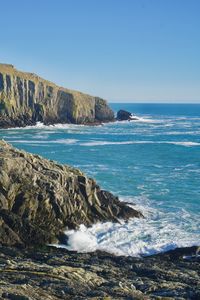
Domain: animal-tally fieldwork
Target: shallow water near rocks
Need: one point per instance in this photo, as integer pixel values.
(153, 162)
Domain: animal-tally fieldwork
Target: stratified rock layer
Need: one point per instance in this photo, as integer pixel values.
(54, 274)
(40, 198)
(25, 98)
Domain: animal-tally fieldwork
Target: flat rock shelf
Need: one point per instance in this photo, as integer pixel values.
(50, 273)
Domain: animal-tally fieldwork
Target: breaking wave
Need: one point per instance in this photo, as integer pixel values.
(159, 232)
(103, 143)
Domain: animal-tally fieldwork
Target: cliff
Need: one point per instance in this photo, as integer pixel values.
(25, 98)
(40, 198)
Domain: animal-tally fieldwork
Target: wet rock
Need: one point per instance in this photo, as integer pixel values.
(123, 115)
(40, 198)
(53, 273)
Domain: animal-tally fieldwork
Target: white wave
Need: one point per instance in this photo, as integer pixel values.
(181, 133)
(81, 240)
(137, 119)
(103, 143)
(145, 120)
(40, 125)
(55, 126)
(38, 142)
(65, 141)
(158, 232)
(186, 144)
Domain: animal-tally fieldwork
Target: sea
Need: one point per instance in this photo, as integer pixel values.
(152, 162)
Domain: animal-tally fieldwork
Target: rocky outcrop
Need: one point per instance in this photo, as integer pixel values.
(123, 115)
(40, 198)
(25, 98)
(59, 274)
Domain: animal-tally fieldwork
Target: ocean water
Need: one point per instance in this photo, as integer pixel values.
(153, 163)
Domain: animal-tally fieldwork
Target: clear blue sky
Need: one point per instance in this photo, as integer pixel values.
(122, 50)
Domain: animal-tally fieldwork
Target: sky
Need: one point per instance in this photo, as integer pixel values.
(121, 50)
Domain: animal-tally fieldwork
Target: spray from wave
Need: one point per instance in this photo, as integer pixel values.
(159, 232)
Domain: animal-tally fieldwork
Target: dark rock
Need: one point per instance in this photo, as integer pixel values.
(14, 296)
(60, 274)
(123, 115)
(40, 198)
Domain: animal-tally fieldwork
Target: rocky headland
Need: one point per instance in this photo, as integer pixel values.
(39, 199)
(26, 98)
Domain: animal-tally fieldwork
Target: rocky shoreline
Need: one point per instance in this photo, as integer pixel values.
(26, 98)
(39, 199)
(50, 273)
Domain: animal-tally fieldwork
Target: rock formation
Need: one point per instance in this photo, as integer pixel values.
(40, 198)
(123, 115)
(25, 98)
(54, 274)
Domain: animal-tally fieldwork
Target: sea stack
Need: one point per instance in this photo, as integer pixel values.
(123, 115)
(26, 98)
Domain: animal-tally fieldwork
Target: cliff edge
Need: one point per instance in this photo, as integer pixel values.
(39, 199)
(26, 98)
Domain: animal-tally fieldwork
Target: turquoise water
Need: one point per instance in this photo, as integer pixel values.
(153, 162)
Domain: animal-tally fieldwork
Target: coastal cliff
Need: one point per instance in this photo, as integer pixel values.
(25, 99)
(39, 199)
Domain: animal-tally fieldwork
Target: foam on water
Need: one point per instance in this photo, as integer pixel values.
(58, 141)
(137, 119)
(158, 232)
(103, 143)
(152, 161)
(40, 125)
(186, 144)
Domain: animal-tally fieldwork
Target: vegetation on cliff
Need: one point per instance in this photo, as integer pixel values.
(25, 98)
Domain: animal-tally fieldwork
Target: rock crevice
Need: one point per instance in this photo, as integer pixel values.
(40, 198)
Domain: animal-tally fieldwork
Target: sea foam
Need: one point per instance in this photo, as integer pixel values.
(158, 232)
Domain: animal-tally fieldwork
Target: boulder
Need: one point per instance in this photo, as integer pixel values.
(123, 115)
(39, 199)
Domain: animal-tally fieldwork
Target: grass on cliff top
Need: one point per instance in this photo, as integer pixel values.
(10, 70)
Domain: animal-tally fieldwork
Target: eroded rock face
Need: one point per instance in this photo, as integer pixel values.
(40, 198)
(25, 98)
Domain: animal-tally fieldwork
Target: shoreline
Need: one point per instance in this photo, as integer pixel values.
(90, 124)
(49, 273)
(162, 252)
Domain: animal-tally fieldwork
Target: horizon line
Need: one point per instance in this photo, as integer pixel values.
(148, 102)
